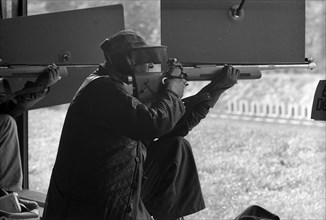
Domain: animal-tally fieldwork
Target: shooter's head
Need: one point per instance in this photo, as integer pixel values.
(127, 49)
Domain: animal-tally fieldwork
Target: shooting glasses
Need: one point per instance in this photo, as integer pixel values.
(149, 54)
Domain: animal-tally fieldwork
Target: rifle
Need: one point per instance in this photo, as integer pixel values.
(147, 84)
(27, 71)
(24, 71)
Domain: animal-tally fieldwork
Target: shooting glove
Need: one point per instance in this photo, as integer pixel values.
(223, 81)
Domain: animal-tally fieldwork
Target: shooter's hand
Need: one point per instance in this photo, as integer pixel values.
(177, 85)
(224, 80)
(49, 76)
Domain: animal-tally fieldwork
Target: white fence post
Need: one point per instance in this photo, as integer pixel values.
(254, 108)
(263, 109)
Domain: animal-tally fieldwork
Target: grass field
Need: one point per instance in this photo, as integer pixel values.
(279, 167)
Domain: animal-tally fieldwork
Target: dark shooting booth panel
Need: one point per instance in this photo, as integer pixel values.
(64, 38)
(263, 32)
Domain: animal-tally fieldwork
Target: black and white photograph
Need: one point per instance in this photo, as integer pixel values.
(163, 109)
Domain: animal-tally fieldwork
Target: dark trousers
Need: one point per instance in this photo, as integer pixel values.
(11, 174)
(172, 187)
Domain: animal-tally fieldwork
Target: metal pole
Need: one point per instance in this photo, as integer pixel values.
(3, 9)
(19, 8)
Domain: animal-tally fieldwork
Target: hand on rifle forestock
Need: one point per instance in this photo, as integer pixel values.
(48, 77)
(224, 80)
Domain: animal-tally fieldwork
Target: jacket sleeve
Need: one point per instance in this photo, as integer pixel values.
(15, 105)
(196, 110)
(115, 109)
(23, 103)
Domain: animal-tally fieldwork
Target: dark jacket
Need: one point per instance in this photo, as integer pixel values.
(98, 169)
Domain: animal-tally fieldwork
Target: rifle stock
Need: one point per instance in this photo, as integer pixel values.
(207, 72)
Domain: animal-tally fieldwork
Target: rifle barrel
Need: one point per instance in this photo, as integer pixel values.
(32, 71)
(310, 66)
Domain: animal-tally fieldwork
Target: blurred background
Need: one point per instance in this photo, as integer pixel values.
(274, 157)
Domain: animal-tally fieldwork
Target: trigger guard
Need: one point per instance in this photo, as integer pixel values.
(163, 80)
